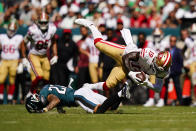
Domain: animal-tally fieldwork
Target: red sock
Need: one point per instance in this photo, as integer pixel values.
(97, 40)
(151, 93)
(34, 84)
(1, 91)
(105, 88)
(96, 91)
(11, 89)
(11, 92)
(162, 93)
(1, 88)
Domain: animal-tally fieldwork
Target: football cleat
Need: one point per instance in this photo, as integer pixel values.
(84, 22)
(126, 91)
(12, 28)
(160, 103)
(149, 103)
(43, 21)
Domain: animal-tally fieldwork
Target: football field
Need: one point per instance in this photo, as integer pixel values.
(130, 118)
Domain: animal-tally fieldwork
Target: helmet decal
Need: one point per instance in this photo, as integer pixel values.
(167, 59)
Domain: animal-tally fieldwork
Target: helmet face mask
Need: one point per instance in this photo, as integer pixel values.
(33, 103)
(12, 28)
(43, 21)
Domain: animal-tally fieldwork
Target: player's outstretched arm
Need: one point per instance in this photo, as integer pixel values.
(156, 87)
(23, 49)
(53, 102)
(54, 49)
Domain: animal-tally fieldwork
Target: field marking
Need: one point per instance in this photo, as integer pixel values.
(9, 122)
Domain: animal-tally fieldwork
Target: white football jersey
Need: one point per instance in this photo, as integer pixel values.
(191, 44)
(94, 52)
(145, 60)
(10, 46)
(158, 46)
(40, 42)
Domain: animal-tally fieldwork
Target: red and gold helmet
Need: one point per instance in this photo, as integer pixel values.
(163, 61)
(43, 21)
(12, 28)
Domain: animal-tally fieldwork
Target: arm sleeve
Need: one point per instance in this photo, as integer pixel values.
(157, 86)
(75, 55)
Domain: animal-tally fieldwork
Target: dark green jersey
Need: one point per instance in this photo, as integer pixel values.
(65, 94)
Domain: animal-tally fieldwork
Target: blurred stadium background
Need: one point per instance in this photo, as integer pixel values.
(157, 24)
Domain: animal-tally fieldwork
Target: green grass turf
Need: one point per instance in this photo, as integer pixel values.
(133, 118)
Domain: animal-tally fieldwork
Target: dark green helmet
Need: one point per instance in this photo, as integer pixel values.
(33, 104)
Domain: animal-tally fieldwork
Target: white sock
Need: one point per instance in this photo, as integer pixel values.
(97, 86)
(95, 32)
(120, 93)
(1, 96)
(10, 97)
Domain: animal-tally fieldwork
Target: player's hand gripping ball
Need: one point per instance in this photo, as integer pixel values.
(141, 76)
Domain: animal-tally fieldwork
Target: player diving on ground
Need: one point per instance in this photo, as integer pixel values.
(52, 96)
(131, 61)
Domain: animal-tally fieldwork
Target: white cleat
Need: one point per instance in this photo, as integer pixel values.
(160, 103)
(84, 22)
(126, 91)
(149, 103)
(193, 105)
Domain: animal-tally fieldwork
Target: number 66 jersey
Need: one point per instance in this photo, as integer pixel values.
(10, 46)
(40, 42)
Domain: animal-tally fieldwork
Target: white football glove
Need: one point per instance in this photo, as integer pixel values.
(54, 60)
(133, 77)
(20, 68)
(25, 62)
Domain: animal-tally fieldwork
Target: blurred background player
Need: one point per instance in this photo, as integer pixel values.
(158, 43)
(83, 60)
(93, 56)
(41, 38)
(190, 56)
(66, 50)
(9, 44)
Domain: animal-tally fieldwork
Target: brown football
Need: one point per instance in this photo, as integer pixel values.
(141, 76)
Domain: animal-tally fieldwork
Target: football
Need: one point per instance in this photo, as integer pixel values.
(141, 76)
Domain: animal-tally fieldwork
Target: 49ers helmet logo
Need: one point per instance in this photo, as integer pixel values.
(163, 60)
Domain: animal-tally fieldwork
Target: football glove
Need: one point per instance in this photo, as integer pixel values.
(25, 62)
(54, 60)
(132, 76)
(20, 68)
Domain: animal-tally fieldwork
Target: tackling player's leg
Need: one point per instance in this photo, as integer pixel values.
(111, 49)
